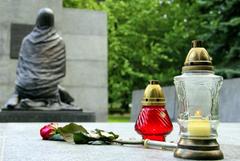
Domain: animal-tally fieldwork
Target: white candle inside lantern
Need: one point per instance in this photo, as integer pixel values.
(199, 126)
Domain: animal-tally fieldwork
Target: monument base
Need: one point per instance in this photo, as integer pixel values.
(46, 116)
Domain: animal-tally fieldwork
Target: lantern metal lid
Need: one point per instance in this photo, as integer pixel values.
(197, 59)
(198, 133)
(153, 94)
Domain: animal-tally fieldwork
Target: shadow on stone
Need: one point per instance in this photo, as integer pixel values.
(46, 116)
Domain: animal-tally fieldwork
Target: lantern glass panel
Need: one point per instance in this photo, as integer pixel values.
(198, 103)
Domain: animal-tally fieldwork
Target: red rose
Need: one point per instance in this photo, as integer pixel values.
(48, 131)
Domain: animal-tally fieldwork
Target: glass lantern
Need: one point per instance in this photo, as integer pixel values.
(153, 121)
(197, 91)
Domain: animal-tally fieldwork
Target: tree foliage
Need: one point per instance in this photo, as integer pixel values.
(222, 21)
(150, 39)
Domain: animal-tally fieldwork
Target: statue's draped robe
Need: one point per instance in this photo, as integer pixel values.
(41, 64)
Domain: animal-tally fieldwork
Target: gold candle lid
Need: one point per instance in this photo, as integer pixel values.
(153, 94)
(197, 59)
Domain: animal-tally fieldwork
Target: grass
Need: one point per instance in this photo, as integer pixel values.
(119, 118)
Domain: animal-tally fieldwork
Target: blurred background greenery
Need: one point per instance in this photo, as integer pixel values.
(149, 39)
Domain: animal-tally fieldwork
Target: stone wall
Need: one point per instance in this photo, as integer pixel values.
(229, 101)
(85, 35)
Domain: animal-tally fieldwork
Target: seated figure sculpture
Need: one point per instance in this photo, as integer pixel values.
(41, 67)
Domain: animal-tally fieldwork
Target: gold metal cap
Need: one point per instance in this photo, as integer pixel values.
(197, 58)
(153, 94)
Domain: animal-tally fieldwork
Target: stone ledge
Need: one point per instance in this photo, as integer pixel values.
(47, 116)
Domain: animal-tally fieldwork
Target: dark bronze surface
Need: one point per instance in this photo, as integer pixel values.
(45, 18)
(197, 149)
(41, 68)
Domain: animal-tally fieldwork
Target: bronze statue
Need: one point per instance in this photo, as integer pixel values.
(41, 67)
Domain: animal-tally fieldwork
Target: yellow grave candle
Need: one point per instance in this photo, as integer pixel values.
(197, 126)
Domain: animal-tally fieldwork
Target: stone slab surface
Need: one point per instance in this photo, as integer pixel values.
(4, 38)
(47, 116)
(90, 99)
(84, 22)
(8, 71)
(21, 142)
(19, 12)
(229, 101)
(86, 73)
(85, 47)
(137, 96)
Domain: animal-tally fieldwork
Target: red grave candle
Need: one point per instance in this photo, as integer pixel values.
(153, 122)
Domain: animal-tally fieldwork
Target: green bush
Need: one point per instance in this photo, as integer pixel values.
(149, 39)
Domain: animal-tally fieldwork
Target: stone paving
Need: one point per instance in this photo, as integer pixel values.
(22, 142)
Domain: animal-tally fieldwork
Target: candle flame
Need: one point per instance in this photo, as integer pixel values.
(198, 113)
